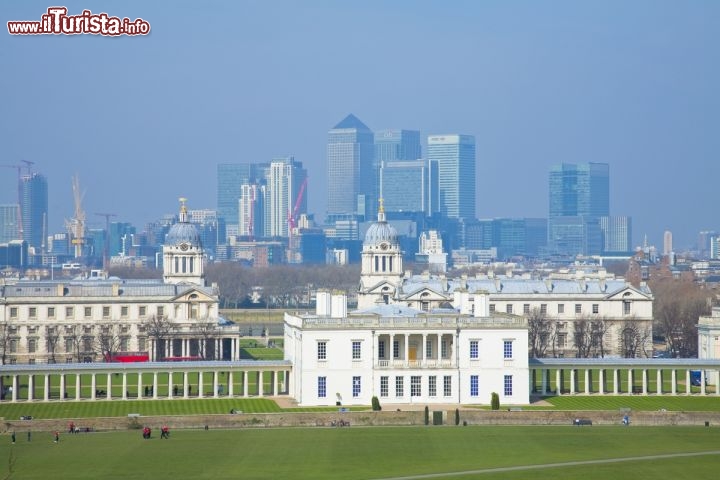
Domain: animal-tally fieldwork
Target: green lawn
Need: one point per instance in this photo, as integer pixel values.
(634, 402)
(367, 453)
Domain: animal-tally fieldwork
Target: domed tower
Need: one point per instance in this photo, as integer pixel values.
(183, 252)
(382, 269)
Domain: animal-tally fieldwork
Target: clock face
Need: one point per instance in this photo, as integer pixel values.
(383, 246)
(184, 246)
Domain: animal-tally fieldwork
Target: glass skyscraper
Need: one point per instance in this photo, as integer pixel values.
(455, 157)
(34, 209)
(410, 186)
(230, 176)
(352, 174)
(393, 145)
(582, 189)
(9, 223)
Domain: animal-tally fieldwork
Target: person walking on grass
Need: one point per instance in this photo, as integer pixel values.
(13, 437)
(57, 436)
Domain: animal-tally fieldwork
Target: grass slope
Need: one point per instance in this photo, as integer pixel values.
(365, 453)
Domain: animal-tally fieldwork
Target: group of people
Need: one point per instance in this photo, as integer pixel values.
(164, 432)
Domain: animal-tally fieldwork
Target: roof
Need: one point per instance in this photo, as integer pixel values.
(99, 288)
(351, 121)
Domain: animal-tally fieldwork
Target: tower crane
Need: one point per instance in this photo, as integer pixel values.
(292, 215)
(76, 226)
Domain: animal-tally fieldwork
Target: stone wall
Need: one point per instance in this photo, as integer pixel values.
(369, 418)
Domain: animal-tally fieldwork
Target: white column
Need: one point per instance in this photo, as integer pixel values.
(558, 382)
(231, 379)
(391, 356)
(200, 385)
(155, 386)
(717, 382)
(124, 386)
(687, 382)
(630, 381)
(644, 381)
(245, 383)
(215, 375)
(46, 388)
(423, 349)
(62, 386)
(601, 381)
(275, 382)
(185, 384)
(587, 381)
(93, 387)
(615, 381)
(15, 388)
(108, 395)
(658, 381)
(170, 385)
(673, 377)
(139, 385)
(77, 386)
(406, 338)
(260, 384)
(702, 382)
(572, 381)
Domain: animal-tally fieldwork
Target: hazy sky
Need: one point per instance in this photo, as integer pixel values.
(144, 120)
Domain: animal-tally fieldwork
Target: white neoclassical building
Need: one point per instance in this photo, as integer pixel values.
(709, 335)
(400, 353)
(87, 320)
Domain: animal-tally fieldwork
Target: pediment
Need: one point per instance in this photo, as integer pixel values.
(627, 293)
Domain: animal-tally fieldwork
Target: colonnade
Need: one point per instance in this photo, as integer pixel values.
(416, 349)
(74, 382)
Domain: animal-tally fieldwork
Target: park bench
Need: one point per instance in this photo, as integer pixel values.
(582, 421)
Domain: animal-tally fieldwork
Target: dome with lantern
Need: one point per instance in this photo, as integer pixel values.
(380, 232)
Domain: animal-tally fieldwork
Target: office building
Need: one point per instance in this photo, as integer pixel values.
(352, 175)
(667, 242)
(252, 210)
(286, 183)
(617, 234)
(393, 145)
(9, 223)
(229, 178)
(410, 186)
(511, 237)
(34, 210)
(455, 157)
(580, 190)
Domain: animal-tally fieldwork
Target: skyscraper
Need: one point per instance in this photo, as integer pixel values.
(352, 176)
(410, 186)
(285, 182)
(580, 190)
(667, 242)
(9, 223)
(392, 145)
(617, 234)
(34, 209)
(229, 178)
(455, 157)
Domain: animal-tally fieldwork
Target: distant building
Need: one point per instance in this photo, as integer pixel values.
(430, 254)
(230, 176)
(511, 237)
(393, 145)
(617, 234)
(410, 186)
(352, 174)
(455, 157)
(667, 242)
(9, 223)
(285, 181)
(34, 209)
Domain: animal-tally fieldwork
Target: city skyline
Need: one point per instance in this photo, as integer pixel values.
(630, 85)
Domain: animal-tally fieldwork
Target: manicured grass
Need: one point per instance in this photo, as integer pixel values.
(635, 402)
(261, 353)
(366, 453)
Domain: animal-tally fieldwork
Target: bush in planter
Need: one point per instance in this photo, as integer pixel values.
(457, 416)
(495, 401)
(376, 404)
(427, 415)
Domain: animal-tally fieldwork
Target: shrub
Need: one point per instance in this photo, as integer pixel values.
(427, 415)
(495, 401)
(457, 416)
(376, 404)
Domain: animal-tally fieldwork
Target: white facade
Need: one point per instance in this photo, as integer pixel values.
(709, 335)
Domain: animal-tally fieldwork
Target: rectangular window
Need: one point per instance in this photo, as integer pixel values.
(508, 308)
(447, 386)
(142, 311)
(396, 349)
(106, 312)
(474, 350)
(399, 387)
(88, 312)
(322, 350)
(508, 386)
(160, 311)
(142, 344)
(356, 386)
(13, 345)
(507, 349)
(474, 386)
(124, 342)
(13, 312)
(32, 312)
(526, 308)
(51, 312)
(381, 349)
(543, 308)
(562, 340)
(444, 349)
(492, 308)
(69, 312)
(626, 307)
(32, 345)
(415, 386)
(322, 387)
(578, 308)
(68, 345)
(31, 361)
(561, 308)
(596, 308)
(356, 350)
(428, 349)
(124, 311)
(383, 386)
(432, 386)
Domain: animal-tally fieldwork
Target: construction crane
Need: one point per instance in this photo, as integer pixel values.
(292, 216)
(106, 244)
(76, 226)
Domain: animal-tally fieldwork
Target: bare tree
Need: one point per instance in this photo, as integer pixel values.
(598, 331)
(161, 330)
(108, 340)
(74, 334)
(582, 337)
(207, 329)
(634, 339)
(52, 337)
(4, 341)
(677, 308)
(540, 333)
